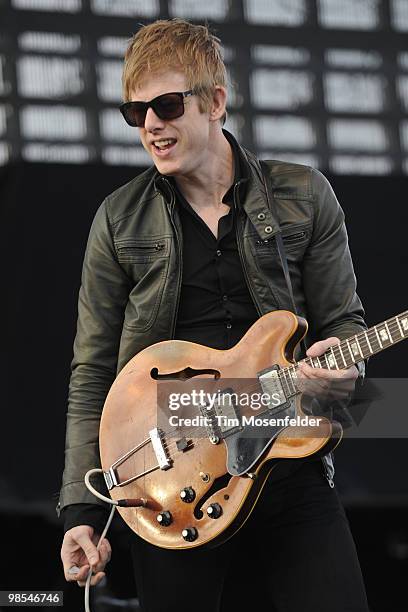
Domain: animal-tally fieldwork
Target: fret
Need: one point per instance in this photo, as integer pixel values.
(389, 333)
(355, 349)
(292, 375)
(368, 342)
(332, 360)
(283, 379)
(399, 327)
(350, 351)
(291, 380)
(404, 323)
(378, 336)
(374, 340)
(342, 355)
(383, 335)
(358, 347)
(364, 345)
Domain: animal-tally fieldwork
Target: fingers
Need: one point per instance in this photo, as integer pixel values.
(96, 578)
(308, 372)
(79, 554)
(105, 553)
(83, 539)
(318, 348)
(77, 574)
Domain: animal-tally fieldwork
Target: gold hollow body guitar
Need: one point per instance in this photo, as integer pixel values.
(195, 490)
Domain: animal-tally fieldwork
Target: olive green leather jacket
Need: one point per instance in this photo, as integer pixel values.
(132, 274)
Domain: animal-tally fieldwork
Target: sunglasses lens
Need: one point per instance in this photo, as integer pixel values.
(134, 114)
(169, 106)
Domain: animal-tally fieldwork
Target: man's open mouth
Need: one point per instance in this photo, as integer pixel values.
(164, 144)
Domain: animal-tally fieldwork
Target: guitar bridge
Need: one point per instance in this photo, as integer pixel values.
(162, 459)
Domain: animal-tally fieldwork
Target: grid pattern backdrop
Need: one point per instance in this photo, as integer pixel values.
(321, 82)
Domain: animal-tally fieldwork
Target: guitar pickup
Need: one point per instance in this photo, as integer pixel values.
(272, 385)
(226, 412)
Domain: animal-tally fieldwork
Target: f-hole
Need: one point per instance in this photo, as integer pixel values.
(219, 483)
(185, 374)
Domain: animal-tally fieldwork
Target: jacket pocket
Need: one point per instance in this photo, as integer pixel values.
(146, 262)
(295, 241)
(131, 250)
(146, 296)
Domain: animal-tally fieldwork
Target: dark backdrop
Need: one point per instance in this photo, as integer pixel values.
(46, 212)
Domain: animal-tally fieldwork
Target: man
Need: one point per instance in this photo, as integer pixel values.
(186, 250)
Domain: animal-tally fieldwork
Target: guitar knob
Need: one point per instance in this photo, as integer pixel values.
(187, 495)
(214, 511)
(164, 518)
(189, 534)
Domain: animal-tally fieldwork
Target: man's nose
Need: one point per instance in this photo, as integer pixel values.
(152, 121)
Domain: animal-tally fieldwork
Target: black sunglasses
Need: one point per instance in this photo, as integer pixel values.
(167, 106)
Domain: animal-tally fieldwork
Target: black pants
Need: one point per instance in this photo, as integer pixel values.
(294, 554)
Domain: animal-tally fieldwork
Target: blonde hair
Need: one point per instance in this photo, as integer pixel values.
(176, 44)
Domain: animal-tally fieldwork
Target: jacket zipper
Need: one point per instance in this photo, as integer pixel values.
(240, 252)
(159, 246)
(289, 238)
(180, 257)
(293, 236)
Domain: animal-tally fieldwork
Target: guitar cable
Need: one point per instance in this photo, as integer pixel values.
(124, 503)
(113, 503)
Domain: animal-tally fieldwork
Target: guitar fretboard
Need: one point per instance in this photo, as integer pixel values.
(352, 350)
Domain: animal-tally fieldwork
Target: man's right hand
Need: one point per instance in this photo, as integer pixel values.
(79, 553)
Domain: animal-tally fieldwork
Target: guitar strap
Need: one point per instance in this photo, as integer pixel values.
(279, 241)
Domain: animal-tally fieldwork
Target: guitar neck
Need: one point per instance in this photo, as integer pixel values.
(359, 347)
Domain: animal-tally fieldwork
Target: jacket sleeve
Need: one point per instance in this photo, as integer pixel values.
(329, 282)
(102, 300)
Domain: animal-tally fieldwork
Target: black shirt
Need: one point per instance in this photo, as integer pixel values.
(216, 308)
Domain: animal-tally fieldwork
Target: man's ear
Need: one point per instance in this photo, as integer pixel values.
(219, 102)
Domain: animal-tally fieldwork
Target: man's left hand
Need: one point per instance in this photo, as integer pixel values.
(338, 384)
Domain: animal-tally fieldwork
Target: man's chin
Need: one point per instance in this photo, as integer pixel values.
(167, 169)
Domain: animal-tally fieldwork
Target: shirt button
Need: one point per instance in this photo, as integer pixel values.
(261, 216)
(228, 326)
(218, 253)
(224, 298)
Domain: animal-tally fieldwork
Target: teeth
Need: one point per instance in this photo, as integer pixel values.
(164, 142)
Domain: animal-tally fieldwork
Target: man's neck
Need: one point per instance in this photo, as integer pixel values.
(206, 187)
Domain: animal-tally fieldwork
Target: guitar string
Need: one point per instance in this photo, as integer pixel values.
(173, 446)
(392, 324)
(293, 366)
